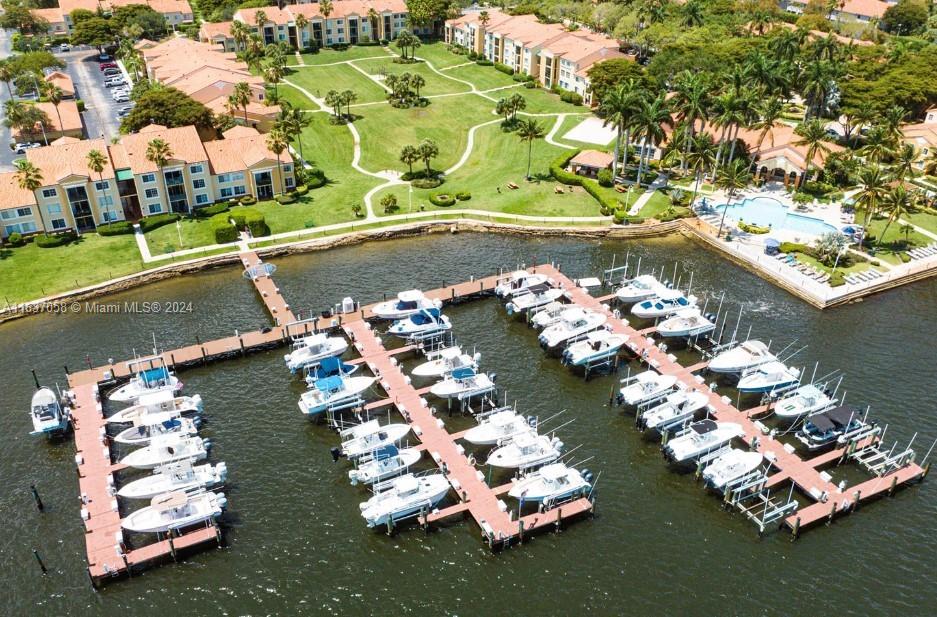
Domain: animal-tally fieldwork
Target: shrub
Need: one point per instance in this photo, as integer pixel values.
(905, 258)
(484, 62)
(441, 199)
(634, 220)
(752, 228)
(116, 228)
(571, 97)
(504, 68)
(223, 229)
(678, 212)
(286, 198)
(47, 242)
(559, 173)
(212, 210)
(816, 188)
(793, 247)
(619, 217)
(302, 189)
(80, 104)
(156, 221)
(248, 200)
(530, 85)
(519, 77)
(16, 239)
(241, 214)
(472, 55)
(837, 279)
(605, 177)
(315, 178)
(427, 183)
(463, 195)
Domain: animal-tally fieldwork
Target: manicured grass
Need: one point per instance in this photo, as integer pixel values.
(385, 130)
(658, 203)
(499, 158)
(853, 268)
(484, 77)
(434, 83)
(320, 79)
(295, 98)
(438, 55)
(30, 272)
(328, 56)
(540, 101)
(571, 122)
(925, 220)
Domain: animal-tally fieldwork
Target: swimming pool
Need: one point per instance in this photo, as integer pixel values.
(768, 212)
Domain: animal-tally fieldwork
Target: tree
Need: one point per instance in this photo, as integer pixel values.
(389, 202)
(277, 142)
(406, 40)
(650, 119)
(32, 62)
(140, 19)
(169, 107)
(905, 18)
(603, 76)
(373, 24)
(54, 93)
(428, 151)
(731, 177)
(418, 82)
(905, 164)
(292, 121)
(334, 100)
(242, 96)
(409, 155)
(896, 203)
(24, 117)
(325, 7)
(240, 32)
(273, 74)
(878, 144)
(260, 19)
(872, 189)
(530, 130)
(28, 176)
(422, 13)
(617, 109)
(347, 97)
(301, 22)
(814, 138)
(769, 112)
(6, 76)
(701, 156)
(484, 18)
(159, 152)
(691, 103)
(20, 17)
(95, 31)
(96, 162)
(691, 14)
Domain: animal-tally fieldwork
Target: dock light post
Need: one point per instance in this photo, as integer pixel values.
(838, 255)
(410, 199)
(179, 231)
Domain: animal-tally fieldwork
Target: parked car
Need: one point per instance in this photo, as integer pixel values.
(123, 112)
(111, 72)
(65, 47)
(117, 81)
(122, 98)
(104, 58)
(21, 148)
(108, 65)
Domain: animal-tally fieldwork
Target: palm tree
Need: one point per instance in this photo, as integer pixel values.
(617, 108)
(325, 8)
(428, 150)
(28, 176)
(729, 114)
(409, 155)
(930, 164)
(516, 103)
(893, 118)
(260, 18)
(277, 142)
(896, 203)
(240, 33)
(374, 21)
(768, 113)
(484, 18)
(7, 74)
(274, 73)
(292, 121)
(159, 152)
(878, 144)
(813, 136)
(817, 82)
(857, 118)
(300, 22)
(700, 157)
(530, 130)
(96, 162)
(417, 82)
(872, 188)
(732, 177)
(334, 100)
(650, 120)
(54, 93)
(690, 102)
(347, 98)
(691, 14)
(905, 162)
(241, 97)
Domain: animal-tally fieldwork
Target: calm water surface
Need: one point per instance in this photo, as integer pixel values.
(295, 542)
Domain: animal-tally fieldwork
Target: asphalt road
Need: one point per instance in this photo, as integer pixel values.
(100, 115)
(6, 155)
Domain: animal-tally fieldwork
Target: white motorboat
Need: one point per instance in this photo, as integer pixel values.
(645, 387)
(310, 350)
(664, 304)
(533, 297)
(497, 426)
(686, 323)
(368, 437)
(47, 413)
(740, 358)
(333, 393)
(639, 288)
(329, 367)
(834, 427)
(552, 483)
(146, 382)
(383, 463)
(403, 497)
(573, 322)
(444, 361)
(167, 449)
(152, 426)
(526, 450)
(181, 476)
(175, 511)
(598, 345)
(701, 438)
(548, 315)
(463, 383)
(156, 404)
(424, 323)
(517, 282)
(676, 409)
(768, 377)
(804, 401)
(407, 303)
(729, 467)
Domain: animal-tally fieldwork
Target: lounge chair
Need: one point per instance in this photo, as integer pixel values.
(558, 190)
(620, 188)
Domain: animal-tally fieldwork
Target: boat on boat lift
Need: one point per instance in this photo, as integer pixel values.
(176, 510)
(180, 476)
(552, 483)
(401, 498)
(368, 437)
(701, 438)
(740, 358)
(639, 288)
(149, 381)
(166, 449)
(834, 427)
(157, 404)
(463, 383)
(498, 425)
(686, 323)
(645, 387)
(517, 282)
(676, 409)
(526, 450)
(47, 413)
(443, 361)
(573, 322)
(407, 303)
(424, 323)
(330, 367)
(548, 315)
(768, 377)
(152, 426)
(664, 304)
(533, 297)
(310, 350)
(383, 463)
(806, 400)
(332, 392)
(729, 467)
(598, 345)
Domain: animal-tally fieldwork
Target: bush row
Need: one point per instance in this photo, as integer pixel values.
(156, 221)
(504, 68)
(212, 210)
(47, 242)
(442, 200)
(484, 62)
(116, 228)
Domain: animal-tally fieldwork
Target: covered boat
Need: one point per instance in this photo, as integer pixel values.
(675, 410)
(644, 387)
(444, 361)
(526, 450)
(533, 297)
(383, 463)
(463, 383)
(48, 415)
(403, 497)
(167, 449)
(423, 323)
(639, 288)
(150, 381)
(148, 427)
(552, 483)
(833, 427)
(310, 350)
(597, 346)
(180, 476)
(333, 393)
(730, 467)
(741, 358)
(548, 315)
(157, 404)
(805, 400)
(574, 322)
(175, 510)
(686, 323)
(330, 367)
(517, 282)
(768, 377)
(664, 304)
(498, 425)
(370, 436)
(407, 303)
(701, 438)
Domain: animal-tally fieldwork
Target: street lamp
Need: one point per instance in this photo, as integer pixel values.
(410, 199)
(179, 231)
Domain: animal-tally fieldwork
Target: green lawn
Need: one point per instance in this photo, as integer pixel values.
(439, 56)
(30, 272)
(484, 77)
(658, 203)
(295, 98)
(434, 83)
(499, 158)
(924, 220)
(895, 241)
(853, 268)
(571, 122)
(320, 79)
(385, 130)
(355, 52)
(540, 101)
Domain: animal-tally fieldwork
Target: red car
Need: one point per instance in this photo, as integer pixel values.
(108, 65)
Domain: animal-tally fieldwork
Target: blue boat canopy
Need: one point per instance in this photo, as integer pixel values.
(386, 452)
(329, 384)
(171, 423)
(463, 372)
(154, 375)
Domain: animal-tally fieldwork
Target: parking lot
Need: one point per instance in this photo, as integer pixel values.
(100, 115)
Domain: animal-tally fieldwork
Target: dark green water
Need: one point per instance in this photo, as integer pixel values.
(295, 541)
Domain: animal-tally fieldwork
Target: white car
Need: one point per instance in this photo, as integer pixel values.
(122, 98)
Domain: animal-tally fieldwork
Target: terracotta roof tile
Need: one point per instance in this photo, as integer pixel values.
(184, 142)
(11, 195)
(61, 160)
(241, 153)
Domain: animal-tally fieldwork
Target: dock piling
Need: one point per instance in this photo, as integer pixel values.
(39, 506)
(39, 559)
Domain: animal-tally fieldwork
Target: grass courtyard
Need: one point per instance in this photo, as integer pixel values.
(435, 83)
(438, 55)
(320, 79)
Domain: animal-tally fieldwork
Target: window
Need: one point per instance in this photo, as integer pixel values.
(287, 167)
(201, 198)
(102, 186)
(20, 228)
(18, 212)
(227, 192)
(195, 169)
(152, 193)
(289, 182)
(240, 190)
(148, 178)
(198, 184)
(47, 193)
(238, 175)
(110, 216)
(54, 209)
(105, 200)
(155, 208)
(58, 223)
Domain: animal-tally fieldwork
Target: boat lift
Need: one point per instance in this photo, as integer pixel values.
(749, 496)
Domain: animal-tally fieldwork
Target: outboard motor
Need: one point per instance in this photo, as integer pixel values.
(493, 377)
(197, 422)
(711, 317)
(207, 444)
(588, 476)
(221, 469)
(336, 454)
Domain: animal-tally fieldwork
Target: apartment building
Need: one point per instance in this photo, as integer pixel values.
(923, 135)
(131, 186)
(176, 12)
(554, 54)
(862, 11)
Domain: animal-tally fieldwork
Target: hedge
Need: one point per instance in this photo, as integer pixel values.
(558, 171)
(16, 239)
(679, 212)
(285, 198)
(116, 228)
(224, 231)
(248, 200)
(47, 242)
(504, 68)
(302, 189)
(426, 183)
(605, 178)
(249, 218)
(793, 247)
(484, 62)
(752, 228)
(212, 210)
(156, 221)
(463, 195)
(442, 200)
(837, 279)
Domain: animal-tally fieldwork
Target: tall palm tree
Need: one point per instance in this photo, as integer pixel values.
(96, 162)
(374, 22)
(768, 113)
(731, 177)
(729, 114)
(241, 97)
(159, 152)
(814, 138)
(417, 82)
(691, 14)
(857, 118)
(484, 18)
(347, 98)
(878, 144)
(260, 18)
(273, 74)
(240, 32)
(55, 94)
(690, 101)
(817, 81)
(930, 164)
(277, 142)
(301, 22)
(650, 120)
(617, 108)
(409, 155)
(700, 157)
(892, 119)
(428, 150)
(7, 74)
(530, 130)
(28, 176)
(896, 203)
(905, 161)
(325, 8)
(873, 186)
(293, 121)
